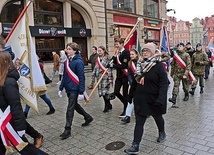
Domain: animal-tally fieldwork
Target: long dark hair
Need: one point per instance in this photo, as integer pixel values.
(5, 61)
(136, 52)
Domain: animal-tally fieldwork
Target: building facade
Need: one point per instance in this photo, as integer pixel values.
(208, 23)
(196, 32)
(54, 23)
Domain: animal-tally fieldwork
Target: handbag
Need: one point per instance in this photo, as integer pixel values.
(110, 96)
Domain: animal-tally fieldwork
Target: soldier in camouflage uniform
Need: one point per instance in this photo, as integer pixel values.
(179, 74)
(189, 49)
(199, 61)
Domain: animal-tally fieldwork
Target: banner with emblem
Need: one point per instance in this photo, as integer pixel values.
(31, 82)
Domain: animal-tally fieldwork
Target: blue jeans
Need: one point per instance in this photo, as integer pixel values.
(45, 98)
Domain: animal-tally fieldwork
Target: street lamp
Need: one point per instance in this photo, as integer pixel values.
(168, 10)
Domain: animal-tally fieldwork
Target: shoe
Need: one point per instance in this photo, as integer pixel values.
(206, 78)
(201, 90)
(105, 110)
(90, 87)
(162, 137)
(174, 106)
(173, 99)
(51, 111)
(123, 115)
(65, 134)
(186, 97)
(88, 121)
(134, 149)
(126, 119)
(58, 82)
(38, 141)
(25, 114)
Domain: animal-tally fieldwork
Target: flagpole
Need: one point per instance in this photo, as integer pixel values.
(18, 20)
(133, 29)
(162, 33)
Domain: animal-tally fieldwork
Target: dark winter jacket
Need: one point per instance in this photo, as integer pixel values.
(124, 59)
(77, 66)
(9, 95)
(151, 98)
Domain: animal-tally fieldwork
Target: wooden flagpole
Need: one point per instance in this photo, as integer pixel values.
(126, 40)
(18, 20)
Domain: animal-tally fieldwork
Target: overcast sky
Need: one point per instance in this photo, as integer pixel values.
(187, 10)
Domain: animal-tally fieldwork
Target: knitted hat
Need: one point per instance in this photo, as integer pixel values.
(180, 44)
(198, 44)
(150, 46)
(188, 43)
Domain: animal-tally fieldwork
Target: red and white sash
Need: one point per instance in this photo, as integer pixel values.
(74, 78)
(125, 71)
(183, 65)
(133, 67)
(8, 134)
(101, 67)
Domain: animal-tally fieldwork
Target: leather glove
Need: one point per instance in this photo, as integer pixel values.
(60, 93)
(113, 57)
(110, 65)
(21, 133)
(197, 63)
(80, 97)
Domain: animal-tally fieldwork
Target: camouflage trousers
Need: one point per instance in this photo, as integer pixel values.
(199, 78)
(185, 83)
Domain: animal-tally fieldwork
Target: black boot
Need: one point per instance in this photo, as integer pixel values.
(173, 99)
(202, 90)
(162, 137)
(126, 119)
(65, 134)
(192, 92)
(106, 107)
(186, 97)
(88, 120)
(51, 111)
(134, 149)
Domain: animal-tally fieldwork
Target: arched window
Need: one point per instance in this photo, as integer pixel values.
(77, 19)
(48, 12)
(11, 11)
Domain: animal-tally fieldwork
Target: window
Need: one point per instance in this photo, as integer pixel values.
(44, 47)
(124, 5)
(47, 12)
(11, 11)
(77, 19)
(150, 8)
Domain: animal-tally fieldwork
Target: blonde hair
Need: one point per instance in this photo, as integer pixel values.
(5, 61)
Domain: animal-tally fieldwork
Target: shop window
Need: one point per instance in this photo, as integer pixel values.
(11, 11)
(77, 19)
(150, 8)
(48, 12)
(44, 47)
(124, 5)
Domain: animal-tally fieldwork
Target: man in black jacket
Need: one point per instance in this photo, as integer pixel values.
(120, 63)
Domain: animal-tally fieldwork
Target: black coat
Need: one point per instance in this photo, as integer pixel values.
(151, 98)
(124, 59)
(9, 95)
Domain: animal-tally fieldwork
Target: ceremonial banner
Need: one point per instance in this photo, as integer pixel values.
(31, 82)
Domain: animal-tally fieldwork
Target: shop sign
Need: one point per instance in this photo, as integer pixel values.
(6, 29)
(48, 31)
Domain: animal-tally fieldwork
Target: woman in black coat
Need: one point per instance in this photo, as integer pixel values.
(150, 95)
(10, 100)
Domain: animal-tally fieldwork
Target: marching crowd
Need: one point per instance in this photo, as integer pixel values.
(142, 75)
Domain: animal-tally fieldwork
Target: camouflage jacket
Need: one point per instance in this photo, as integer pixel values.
(176, 68)
(199, 61)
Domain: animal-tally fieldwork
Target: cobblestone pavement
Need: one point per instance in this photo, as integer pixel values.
(189, 129)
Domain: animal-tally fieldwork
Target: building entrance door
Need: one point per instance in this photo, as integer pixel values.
(82, 42)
